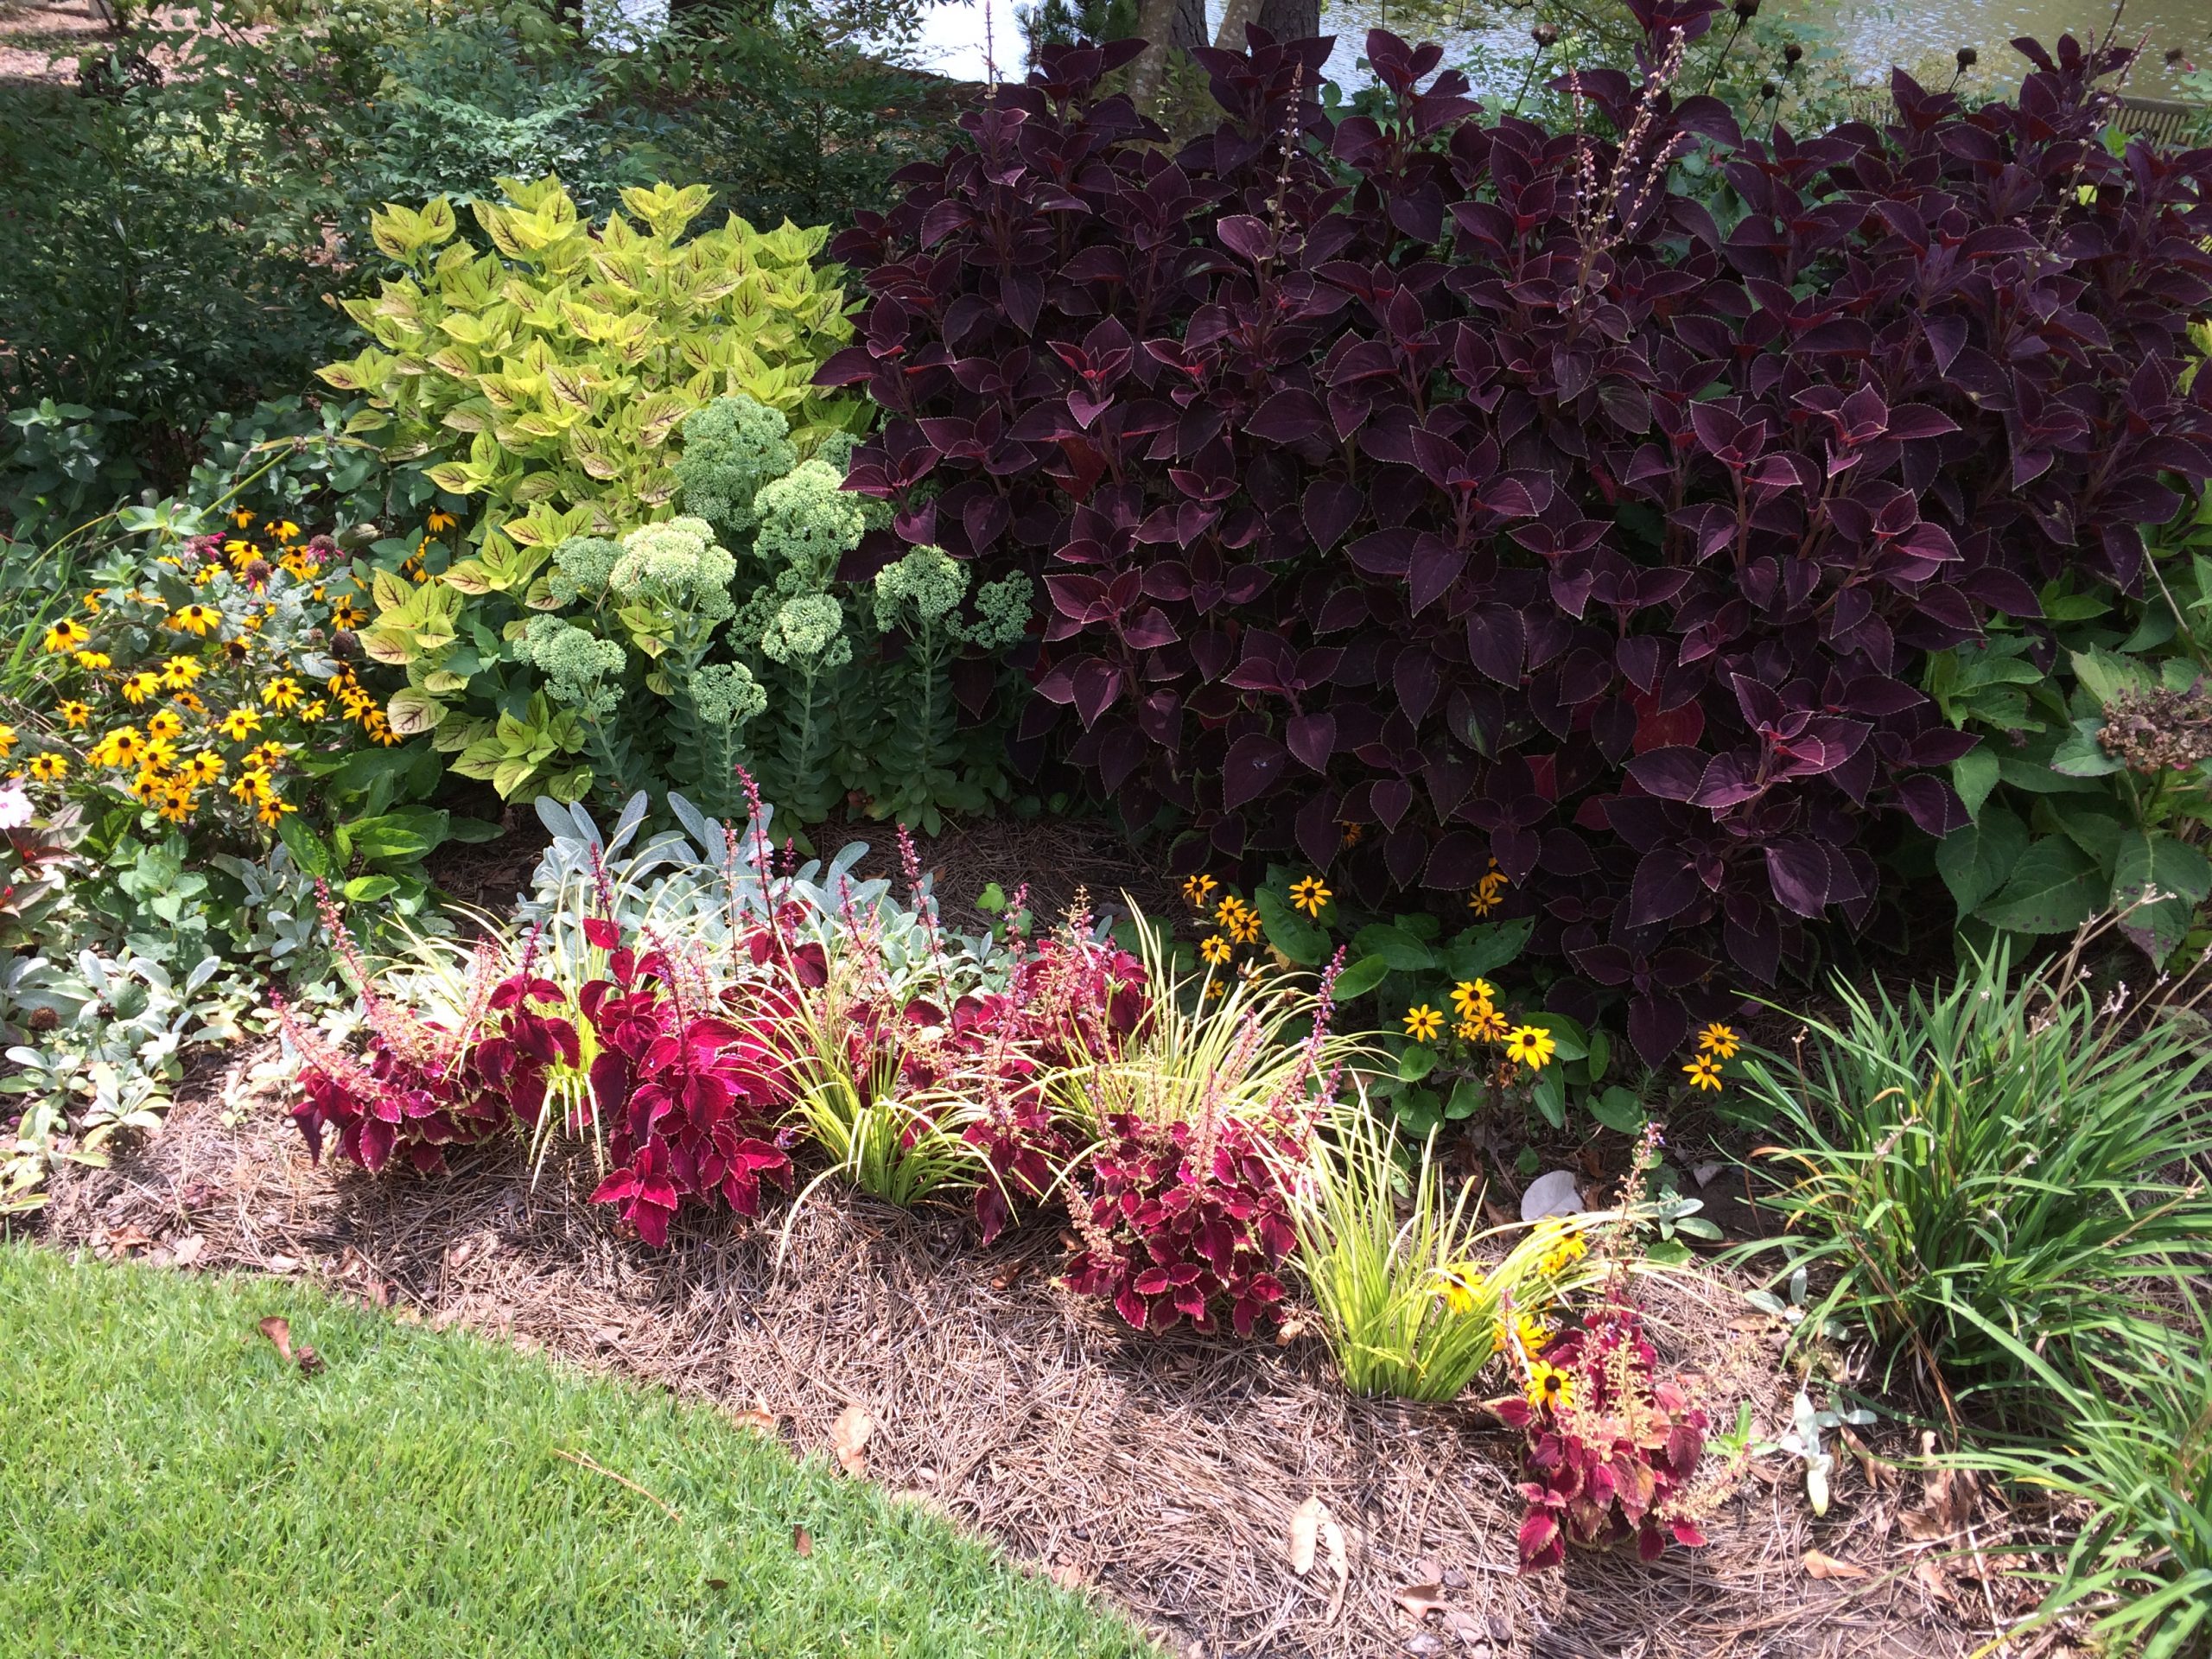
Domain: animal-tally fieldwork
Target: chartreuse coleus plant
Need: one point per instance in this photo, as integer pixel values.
(551, 371)
(540, 385)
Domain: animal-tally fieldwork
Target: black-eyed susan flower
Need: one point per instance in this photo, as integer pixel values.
(285, 530)
(65, 636)
(1310, 894)
(1197, 891)
(7, 738)
(92, 600)
(196, 619)
(1524, 1331)
(1245, 929)
(239, 724)
(440, 521)
(344, 614)
(315, 711)
(265, 755)
(1470, 996)
(1423, 1023)
(139, 687)
(1215, 949)
(1484, 1025)
(203, 766)
(178, 672)
(282, 693)
(123, 747)
(1719, 1041)
(1352, 832)
(166, 725)
(271, 811)
(1550, 1386)
(1530, 1045)
(49, 768)
(1703, 1071)
(94, 659)
(1229, 909)
(242, 517)
(75, 712)
(1569, 1248)
(189, 700)
(1462, 1286)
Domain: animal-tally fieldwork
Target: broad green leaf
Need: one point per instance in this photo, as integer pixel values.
(1466, 1100)
(1619, 1110)
(1574, 1042)
(1300, 940)
(2174, 870)
(2105, 675)
(2094, 826)
(1396, 947)
(1975, 861)
(1485, 950)
(2079, 755)
(1974, 774)
(2054, 889)
(1360, 977)
(1550, 1095)
(1418, 1060)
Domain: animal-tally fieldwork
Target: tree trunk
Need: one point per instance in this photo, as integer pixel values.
(1156, 19)
(1235, 14)
(1290, 20)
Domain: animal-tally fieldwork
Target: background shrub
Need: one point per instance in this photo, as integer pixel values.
(1470, 485)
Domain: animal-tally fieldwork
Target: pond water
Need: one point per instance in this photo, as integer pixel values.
(1874, 33)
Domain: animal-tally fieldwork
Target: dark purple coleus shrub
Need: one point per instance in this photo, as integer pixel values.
(1468, 484)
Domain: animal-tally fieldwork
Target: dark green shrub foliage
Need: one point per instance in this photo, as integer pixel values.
(1459, 481)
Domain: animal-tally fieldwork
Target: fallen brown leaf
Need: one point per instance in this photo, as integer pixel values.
(278, 1330)
(1421, 1599)
(1306, 1534)
(1828, 1566)
(802, 1542)
(762, 1421)
(188, 1251)
(849, 1435)
(1066, 1574)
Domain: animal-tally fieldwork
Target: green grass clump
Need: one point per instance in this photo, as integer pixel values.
(1989, 1159)
(173, 1488)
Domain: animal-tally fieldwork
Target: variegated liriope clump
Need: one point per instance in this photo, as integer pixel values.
(736, 635)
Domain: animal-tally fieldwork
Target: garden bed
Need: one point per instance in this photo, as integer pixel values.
(1162, 1472)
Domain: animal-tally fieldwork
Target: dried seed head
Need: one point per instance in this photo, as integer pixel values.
(2159, 730)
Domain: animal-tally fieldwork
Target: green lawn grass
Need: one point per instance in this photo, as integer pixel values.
(168, 1486)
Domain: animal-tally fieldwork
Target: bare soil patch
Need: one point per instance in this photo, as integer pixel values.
(1163, 1474)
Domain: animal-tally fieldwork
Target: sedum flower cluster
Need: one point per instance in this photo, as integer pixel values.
(731, 634)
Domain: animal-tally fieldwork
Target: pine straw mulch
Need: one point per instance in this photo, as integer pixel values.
(1161, 1473)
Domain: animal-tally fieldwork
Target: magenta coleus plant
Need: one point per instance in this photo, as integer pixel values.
(691, 1094)
(1460, 482)
(424, 1085)
(1185, 1221)
(1612, 1449)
